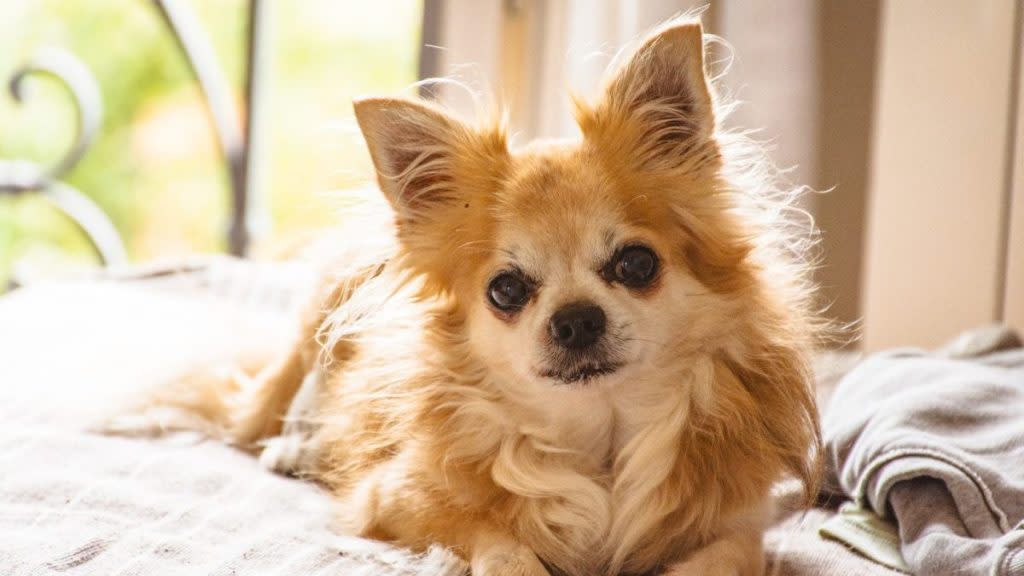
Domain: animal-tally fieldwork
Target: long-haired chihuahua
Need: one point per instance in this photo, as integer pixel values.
(587, 357)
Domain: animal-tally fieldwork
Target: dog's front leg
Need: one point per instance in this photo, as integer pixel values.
(736, 553)
(495, 554)
(296, 451)
(392, 503)
(259, 410)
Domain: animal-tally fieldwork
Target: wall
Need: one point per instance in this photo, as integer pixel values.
(935, 214)
(1013, 297)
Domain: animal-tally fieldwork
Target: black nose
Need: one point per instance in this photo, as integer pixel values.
(577, 325)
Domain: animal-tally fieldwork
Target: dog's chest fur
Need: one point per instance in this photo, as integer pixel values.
(573, 455)
(574, 470)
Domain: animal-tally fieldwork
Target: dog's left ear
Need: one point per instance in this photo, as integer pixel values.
(658, 101)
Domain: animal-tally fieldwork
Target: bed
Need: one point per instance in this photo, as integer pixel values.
(78, 502)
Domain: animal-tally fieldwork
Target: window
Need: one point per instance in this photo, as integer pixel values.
(154, 167)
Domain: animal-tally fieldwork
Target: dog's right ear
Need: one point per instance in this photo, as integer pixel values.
(432, 168)
(413, 146)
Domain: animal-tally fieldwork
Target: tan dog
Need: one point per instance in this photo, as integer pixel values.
(579, 357)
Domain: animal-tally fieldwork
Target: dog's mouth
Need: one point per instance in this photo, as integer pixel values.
(583, 373)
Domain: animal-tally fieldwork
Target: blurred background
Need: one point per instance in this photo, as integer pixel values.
(906, 114)
(155, 167)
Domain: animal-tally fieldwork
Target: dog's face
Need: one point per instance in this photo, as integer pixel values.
(584, 280)
(598, 261)
(573, 280)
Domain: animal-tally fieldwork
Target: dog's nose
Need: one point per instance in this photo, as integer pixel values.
(577, 325)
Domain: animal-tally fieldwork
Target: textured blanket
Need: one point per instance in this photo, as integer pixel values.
(73, 502)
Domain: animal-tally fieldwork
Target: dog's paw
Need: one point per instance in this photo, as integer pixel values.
(291, 455)
(712, 562)
(702, 569)
(737, 553)
(518, 562)
(246, 426)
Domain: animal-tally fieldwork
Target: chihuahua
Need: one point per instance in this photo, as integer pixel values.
(580, 358)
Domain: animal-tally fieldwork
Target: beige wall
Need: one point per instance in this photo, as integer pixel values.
(1014, 293)
(935, 208)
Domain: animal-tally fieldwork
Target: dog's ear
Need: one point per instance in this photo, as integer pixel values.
(658, 100)
(432, 168)
(413, 146)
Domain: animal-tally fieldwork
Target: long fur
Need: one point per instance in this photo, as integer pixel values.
(426, 438)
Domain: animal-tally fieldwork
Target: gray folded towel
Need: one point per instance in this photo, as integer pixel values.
(935, 443)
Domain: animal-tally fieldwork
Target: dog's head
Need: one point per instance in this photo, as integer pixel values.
(576, 262)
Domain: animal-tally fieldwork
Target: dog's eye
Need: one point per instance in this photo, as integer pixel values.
(508, 291)
(634, 266)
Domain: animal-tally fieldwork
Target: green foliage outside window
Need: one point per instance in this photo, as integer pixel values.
(155, 167)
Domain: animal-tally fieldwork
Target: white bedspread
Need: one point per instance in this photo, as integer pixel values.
(78, 503)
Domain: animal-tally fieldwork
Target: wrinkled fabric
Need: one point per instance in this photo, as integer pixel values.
(936, 444)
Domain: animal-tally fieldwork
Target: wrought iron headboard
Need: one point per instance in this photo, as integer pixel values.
(237, 139)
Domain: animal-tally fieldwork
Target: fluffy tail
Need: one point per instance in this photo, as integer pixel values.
(203, 400)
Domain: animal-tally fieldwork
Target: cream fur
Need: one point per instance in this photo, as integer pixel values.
(435, 421)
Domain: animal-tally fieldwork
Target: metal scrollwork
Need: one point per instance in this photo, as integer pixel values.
(237, 138)
(23, 176)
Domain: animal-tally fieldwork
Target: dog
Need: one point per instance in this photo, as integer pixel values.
(588, 357)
